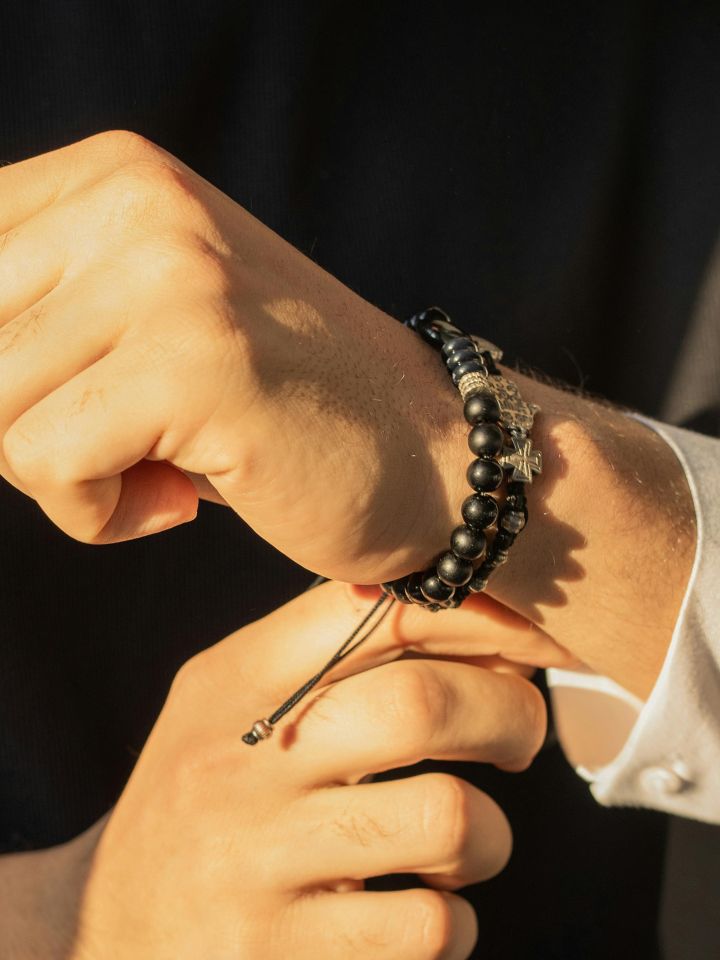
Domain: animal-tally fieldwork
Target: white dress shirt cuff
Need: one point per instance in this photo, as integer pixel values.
(664, 753)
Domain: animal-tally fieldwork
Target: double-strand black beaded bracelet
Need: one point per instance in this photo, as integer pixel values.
(496, 412)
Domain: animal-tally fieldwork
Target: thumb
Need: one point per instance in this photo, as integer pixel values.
(146, 498)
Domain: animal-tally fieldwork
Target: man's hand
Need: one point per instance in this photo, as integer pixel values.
(219, 850)
(151, 329)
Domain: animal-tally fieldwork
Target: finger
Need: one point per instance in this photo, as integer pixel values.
(434, 825)
(31, 185)
(293, 642)
(480, 627)
(397, 925)
(45, 346)
(70, 451)
(403, 712)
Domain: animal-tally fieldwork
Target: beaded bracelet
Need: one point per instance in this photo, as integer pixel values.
(492, 404)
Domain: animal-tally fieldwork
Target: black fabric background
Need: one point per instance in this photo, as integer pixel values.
(547, 173)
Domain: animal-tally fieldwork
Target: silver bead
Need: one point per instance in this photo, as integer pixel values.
(262, 729)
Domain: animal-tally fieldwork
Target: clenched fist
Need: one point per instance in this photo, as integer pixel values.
(156, 340)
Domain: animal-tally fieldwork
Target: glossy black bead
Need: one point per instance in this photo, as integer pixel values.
(470, 366)
(484, 475)
(397, 590)
(456, 344)
(435, 589)
(467, 543)
(479, 511)
(513, 521)
(482, 408)
(413, 589)
(501, 556)
(455, 359)
(503, 540)
(453, 570)
(486, 440)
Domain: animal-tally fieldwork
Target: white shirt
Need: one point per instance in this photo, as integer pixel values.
(663, 753)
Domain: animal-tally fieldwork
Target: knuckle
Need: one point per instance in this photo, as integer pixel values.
(124, 144)
(432, 923)
(446, 817)
(21, 453)
(418, 703)
(191, 679)
(532, 715)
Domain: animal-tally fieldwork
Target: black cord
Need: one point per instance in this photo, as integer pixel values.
(346, 648)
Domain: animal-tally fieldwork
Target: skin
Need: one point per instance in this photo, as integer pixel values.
(157, 343)
(219, 850)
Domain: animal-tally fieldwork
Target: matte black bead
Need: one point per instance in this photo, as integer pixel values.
(486, 440)
(503, 540)
(454, 570)
(413, 590)
(435, 589)
(467, 543)
(477, 583)
(501, 556)
(452, 603)
(485, 568)
(482, 408)
(456, 344)
(470, 366)
(484, 475)
(513, 521)
(455, 359)
(479, 511)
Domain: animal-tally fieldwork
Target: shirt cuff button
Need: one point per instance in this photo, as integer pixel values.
(663, 781)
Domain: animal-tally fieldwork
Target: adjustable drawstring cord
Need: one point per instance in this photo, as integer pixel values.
(262, 729)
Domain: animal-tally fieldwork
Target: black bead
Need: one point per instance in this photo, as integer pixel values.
(454, 570)
(467, 543)
(486, 440)
(455, 359)
(470, 366)
(485, 569)
(434, 589)
(482, 408)
(456, 344)
(479, 511)
(484, 475)
(503, 540)
(413, 590)
(501, 556)
(477, 583)
(397, 590)
(513, 521)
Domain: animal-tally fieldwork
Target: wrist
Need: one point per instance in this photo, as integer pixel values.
(606, 557)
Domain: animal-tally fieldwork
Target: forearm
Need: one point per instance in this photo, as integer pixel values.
(604, 561)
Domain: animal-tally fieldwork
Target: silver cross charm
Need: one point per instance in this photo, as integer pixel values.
(521, 459)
